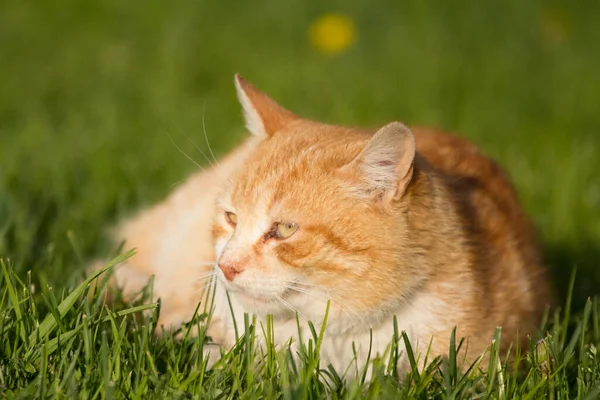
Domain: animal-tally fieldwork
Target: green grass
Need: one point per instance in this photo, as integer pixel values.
(80, 347)
(93, 94)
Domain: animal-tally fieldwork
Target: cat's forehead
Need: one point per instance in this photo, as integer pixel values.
(308, 146)
(295, 166)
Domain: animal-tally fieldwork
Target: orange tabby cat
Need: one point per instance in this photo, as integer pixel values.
(413, 224)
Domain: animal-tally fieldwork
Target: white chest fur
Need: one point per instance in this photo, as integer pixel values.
(348, 343)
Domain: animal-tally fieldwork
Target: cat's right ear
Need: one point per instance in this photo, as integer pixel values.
(263, 115)
(384, 167)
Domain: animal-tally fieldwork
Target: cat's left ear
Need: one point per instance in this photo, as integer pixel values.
(263, 115)
(385, 165)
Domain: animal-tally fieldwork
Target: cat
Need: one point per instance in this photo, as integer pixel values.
(413, 224)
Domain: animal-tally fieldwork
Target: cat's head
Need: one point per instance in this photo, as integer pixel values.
(317, 212)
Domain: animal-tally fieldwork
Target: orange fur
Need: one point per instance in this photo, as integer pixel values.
(432, 233)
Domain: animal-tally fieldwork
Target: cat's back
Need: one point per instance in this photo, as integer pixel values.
(477, 183)
(508, 264)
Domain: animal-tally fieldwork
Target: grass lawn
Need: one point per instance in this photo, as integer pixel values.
(97, 98)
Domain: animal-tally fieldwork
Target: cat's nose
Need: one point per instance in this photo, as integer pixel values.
(230, 270)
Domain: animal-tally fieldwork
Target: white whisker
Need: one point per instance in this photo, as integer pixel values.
(204, 277)
(291, 307)
(177, 183)
(183, 152)
(207, 281)
(329, 296)
(198, 148)
(206, 263)
(206, 136)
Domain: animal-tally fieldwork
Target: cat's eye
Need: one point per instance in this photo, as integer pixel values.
(284, 230)
(231, 218)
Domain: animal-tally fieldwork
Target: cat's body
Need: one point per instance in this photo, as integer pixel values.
(305, 212)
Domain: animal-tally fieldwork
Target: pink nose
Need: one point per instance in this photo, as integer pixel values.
(230, 270)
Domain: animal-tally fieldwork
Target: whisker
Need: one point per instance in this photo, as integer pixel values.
(318, 295)
(329, 292)
(198, 148)
(206, 136)
(183, 152)
(309, 286)
(194, 143)
(198, 264)
(209, 281)
(205, 280)
(334, 298)
(291, 307)
(204, 277)
(177, 183)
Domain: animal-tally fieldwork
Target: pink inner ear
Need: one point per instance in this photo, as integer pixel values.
(260, 109)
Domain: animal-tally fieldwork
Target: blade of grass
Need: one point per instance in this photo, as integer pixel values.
(49, 323)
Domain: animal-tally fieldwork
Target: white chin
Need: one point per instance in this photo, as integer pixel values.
(259, 305)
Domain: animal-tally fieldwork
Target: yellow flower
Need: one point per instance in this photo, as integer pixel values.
(332, 33)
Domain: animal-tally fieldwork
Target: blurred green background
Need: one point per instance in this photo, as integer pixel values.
(96, 96)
